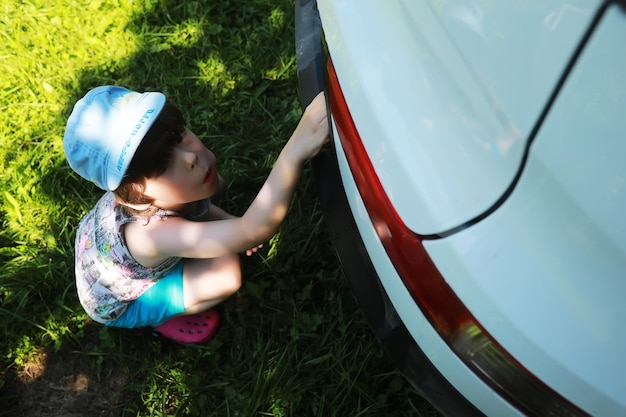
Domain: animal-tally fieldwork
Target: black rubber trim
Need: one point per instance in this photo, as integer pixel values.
(349, 248)
(535, 131)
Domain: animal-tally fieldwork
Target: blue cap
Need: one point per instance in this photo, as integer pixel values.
(104, 131)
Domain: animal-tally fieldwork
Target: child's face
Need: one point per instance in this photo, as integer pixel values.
(191, 175)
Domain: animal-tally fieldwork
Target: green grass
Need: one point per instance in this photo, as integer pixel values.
(293, 341)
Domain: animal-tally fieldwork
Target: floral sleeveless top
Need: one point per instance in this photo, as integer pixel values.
(107, 276)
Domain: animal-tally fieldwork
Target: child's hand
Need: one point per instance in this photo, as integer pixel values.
(312, 131)
(252, 251)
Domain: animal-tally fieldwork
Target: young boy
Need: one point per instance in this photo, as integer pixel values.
(154, 251)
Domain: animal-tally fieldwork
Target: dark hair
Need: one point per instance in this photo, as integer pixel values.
(153, 154)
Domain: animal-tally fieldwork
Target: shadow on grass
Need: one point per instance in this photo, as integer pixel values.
(293, 341)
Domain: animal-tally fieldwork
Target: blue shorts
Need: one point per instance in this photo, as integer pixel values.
(161, 302)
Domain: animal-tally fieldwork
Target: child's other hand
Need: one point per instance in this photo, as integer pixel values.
(312, 131)
(252, 251)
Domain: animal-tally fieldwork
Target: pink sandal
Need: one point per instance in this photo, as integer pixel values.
(190, 329)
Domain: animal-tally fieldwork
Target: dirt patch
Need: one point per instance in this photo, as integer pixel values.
(67, 384)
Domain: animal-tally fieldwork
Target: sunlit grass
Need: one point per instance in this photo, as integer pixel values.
(293, 341)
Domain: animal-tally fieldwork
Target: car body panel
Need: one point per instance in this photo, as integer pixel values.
(545, 274)
(463, 151)
(516, 50)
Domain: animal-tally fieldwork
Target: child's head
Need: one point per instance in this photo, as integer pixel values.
(153, 155)
(109, 127)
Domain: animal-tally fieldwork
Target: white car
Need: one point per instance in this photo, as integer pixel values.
(475, 192)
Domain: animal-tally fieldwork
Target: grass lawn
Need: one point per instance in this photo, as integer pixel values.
(293, 341)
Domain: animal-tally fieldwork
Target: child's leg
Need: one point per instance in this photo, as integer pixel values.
(204, 283)
(208, 282)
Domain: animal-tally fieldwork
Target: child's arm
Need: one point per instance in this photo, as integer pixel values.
(179, 237)
(217, 213)
(270, 206)
(214, 213)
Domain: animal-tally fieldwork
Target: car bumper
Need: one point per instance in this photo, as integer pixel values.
(348, 244)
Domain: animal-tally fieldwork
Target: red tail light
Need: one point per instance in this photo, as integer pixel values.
(445, 311)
